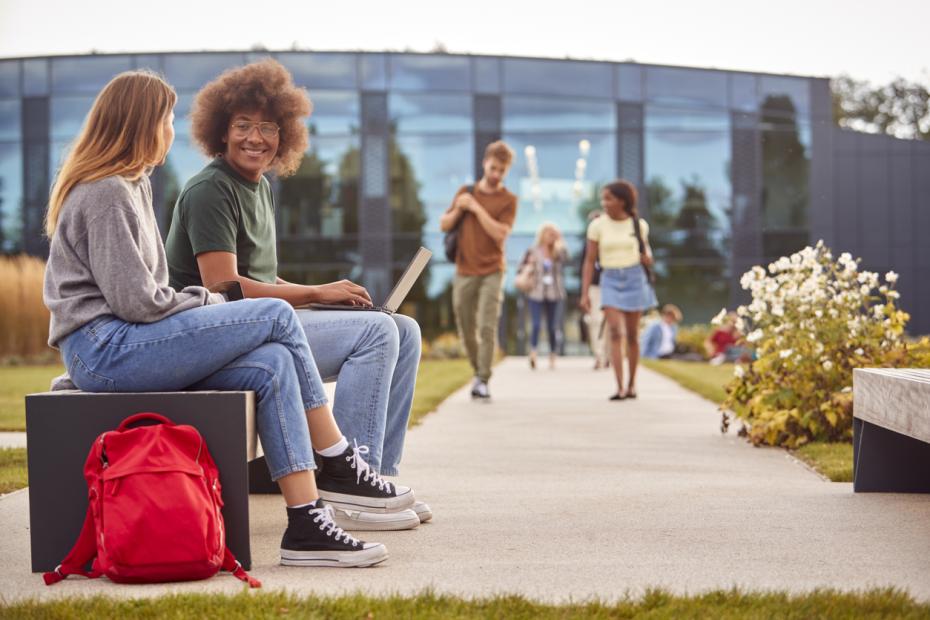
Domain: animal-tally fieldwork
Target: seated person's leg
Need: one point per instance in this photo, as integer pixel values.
(312, 538)
(400, 399)
(359, 350)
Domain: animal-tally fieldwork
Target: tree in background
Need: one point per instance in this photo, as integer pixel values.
(900, 109)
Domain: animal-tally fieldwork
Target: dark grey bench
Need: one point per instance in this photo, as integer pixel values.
(891, 430)
(61, 426)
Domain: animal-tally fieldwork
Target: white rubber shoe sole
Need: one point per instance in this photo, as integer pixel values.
(369, 555)
(423, 511)
(370, 504)
(377, 521)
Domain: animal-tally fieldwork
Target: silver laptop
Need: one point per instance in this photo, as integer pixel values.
(398, 293)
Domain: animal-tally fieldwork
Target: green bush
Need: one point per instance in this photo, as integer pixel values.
(813, 320)
(443, 347)
(691, 339)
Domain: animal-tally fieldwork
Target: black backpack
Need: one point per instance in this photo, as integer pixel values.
(451, 241)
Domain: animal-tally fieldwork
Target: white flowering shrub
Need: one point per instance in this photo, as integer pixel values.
(811, 321)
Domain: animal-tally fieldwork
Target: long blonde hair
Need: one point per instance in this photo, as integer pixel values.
(559, 244)
(122, 135)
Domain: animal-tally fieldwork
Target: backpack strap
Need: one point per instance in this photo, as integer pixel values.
(84, 550)
(232, 565)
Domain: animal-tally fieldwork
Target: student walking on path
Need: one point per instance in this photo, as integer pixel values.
(484, 215)
(544, 264)
(619, 240)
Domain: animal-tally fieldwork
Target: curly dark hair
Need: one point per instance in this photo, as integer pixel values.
(266, 86)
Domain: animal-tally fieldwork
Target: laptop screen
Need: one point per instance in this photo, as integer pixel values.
(405, 283)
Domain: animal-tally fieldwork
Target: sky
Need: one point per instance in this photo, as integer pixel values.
(868, 40)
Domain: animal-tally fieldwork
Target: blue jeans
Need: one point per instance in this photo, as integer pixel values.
(536, 310)
(255, 344)
(373, 357)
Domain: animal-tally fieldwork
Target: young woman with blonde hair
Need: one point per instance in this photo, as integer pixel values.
(546, 262)
(121, 328)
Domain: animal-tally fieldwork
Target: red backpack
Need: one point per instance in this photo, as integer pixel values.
(153, 509)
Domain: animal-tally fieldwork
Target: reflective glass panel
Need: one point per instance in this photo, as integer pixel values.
(334, 113)
(9, 78)
(193, 71)
(148, 61)
(629, 80)
(35, 77)
(426, 171)
(56, 155)
(373, 71)
(562, 191)
(321, 199)
(786, 157)
(665, 118)
(558, 77)
(430, 113)
(67, 115)
(427, 72)
(552, 114)
(10, 119)
(320, 70)
(790, 95)
(182, 110)
(686, 86)
(688, 191)
(86, 74)
(743, 92)
(11, 198)
(487, 75)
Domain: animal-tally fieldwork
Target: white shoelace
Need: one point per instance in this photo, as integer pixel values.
(325, 517)
(362, 468)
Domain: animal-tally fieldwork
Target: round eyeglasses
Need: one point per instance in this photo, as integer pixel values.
(266, 128)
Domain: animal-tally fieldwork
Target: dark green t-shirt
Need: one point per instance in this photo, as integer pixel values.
(220, 211)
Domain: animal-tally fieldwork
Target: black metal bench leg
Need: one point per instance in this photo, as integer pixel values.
(888, 462)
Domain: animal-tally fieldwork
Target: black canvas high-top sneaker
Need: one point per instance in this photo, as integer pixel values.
(346, 481)
(312, 538)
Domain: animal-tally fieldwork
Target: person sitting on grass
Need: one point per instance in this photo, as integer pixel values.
(658, 339)
(724, 344)
(121, 328)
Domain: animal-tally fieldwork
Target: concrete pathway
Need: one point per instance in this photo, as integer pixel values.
(12, 440)
(552, 492)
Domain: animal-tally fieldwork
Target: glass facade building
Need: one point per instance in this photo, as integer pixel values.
(727, 162)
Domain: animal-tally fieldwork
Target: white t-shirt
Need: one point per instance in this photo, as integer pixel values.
(667, 347)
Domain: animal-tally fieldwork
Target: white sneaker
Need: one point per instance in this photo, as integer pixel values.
(479, 390)
(423, 511)
(376, 521)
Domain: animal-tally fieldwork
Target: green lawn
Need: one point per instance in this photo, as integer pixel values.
(700, 377)
(655, 604)
(12, 469)
(16, 382)
(831, 459)
(435, 381)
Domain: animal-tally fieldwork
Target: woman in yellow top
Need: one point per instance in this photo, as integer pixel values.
(625, 290)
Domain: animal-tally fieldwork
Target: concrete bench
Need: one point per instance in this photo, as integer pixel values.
(891, 430)
(61, 426)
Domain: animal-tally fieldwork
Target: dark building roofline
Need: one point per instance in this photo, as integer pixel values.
(413, 53)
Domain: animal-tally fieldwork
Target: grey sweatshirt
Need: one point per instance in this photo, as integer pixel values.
(107, 258)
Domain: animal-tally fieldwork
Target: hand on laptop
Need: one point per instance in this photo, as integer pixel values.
(342, 292)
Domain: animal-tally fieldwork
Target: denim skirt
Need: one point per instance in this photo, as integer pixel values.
(627, 289)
